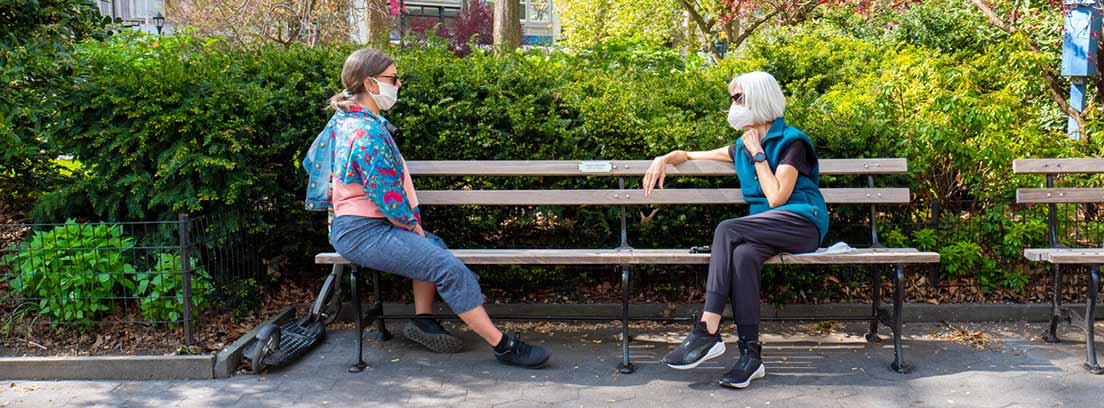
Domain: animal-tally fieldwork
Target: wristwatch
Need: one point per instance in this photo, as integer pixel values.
(759, 157)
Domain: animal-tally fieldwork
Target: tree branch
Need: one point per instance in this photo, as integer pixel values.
(751, 29)
(233, 27)
(992, 17)
(803, 11)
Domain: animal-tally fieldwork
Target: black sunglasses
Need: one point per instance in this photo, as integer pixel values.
(738, 98)
(395, 79)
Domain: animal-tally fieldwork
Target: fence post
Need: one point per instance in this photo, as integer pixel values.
(186, 276)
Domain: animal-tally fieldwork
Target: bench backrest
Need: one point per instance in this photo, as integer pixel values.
(623, 169)
(636, 168)
(1051, 168)
(1052, 196)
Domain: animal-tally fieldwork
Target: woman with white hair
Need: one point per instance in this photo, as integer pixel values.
(779, 177)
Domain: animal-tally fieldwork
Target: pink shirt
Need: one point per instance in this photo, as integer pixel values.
(349, 199)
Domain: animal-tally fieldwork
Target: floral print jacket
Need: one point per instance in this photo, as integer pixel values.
(356, 147)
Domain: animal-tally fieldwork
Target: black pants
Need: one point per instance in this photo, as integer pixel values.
(740, 246)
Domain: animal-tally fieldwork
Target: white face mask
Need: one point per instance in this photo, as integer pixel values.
(387, 96)
(739, 117)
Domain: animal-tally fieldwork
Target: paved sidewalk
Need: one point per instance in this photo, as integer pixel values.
(804, 370)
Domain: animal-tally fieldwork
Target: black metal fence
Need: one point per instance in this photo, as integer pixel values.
(982, 243)
(75, 278)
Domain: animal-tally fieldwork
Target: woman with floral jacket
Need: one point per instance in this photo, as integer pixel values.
(358, 174)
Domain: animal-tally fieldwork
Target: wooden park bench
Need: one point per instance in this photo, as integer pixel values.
(1060, 255)
(625, 256)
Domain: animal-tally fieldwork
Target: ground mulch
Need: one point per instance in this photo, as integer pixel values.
(123, 333)
(963, 335)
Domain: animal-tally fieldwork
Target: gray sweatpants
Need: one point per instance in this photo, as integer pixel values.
(740, 246)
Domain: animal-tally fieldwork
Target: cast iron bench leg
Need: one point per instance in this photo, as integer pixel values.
(1051, 336)
(1090, 320)
(377, 309)
(626, 366)
(876, 295)
(899, 364)
(358, 323)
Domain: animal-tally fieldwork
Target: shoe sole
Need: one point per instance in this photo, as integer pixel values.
(759, 373)
(533, 366)
(714, 352)
(438, 343)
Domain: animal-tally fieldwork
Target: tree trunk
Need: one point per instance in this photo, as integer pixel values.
(377, 17)
(706, 28)
(507, 25)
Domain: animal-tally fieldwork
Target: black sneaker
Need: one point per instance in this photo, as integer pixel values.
(519, 353)
(429, 333)
(698, 347)
(749, 367)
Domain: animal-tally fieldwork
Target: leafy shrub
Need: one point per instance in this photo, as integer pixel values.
(36, 62)
(925, 239)
(185, 124)
(962, 258)
(238, 296)
(188, 125)
(161, 289)
(72, 270)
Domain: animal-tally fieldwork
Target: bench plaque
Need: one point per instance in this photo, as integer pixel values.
(595, 166)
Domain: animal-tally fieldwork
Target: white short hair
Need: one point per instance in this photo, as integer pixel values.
(762, 96)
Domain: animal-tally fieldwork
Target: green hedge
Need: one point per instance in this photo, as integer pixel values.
(37, 38)
(192, 125)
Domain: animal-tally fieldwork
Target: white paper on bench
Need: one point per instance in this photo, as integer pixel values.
(837, 248)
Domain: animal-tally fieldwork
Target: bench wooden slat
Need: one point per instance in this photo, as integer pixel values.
(662, 256)
(1060, 195)
(1058, 166)
(519, 256)
(633, 167)
(636, 197)
(857, 256)
(543, 256)
(1066, 255)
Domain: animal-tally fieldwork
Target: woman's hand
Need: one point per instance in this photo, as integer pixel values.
(656, 173)
(752, 140)
(418, 230)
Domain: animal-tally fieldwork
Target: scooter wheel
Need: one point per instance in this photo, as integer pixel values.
(268, 341)
(331, 311)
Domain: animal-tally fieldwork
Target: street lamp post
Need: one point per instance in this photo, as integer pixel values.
(159, 22)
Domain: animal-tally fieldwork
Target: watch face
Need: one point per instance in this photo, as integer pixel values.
(760, 156)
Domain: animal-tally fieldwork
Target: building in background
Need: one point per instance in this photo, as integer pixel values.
(135, 13)
(539, 23)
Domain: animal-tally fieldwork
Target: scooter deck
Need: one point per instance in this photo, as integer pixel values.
(296, 339)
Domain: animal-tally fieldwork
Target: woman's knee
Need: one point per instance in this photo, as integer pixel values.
(727, 230)
(450, 271)
(747, 259)
(743, 252)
